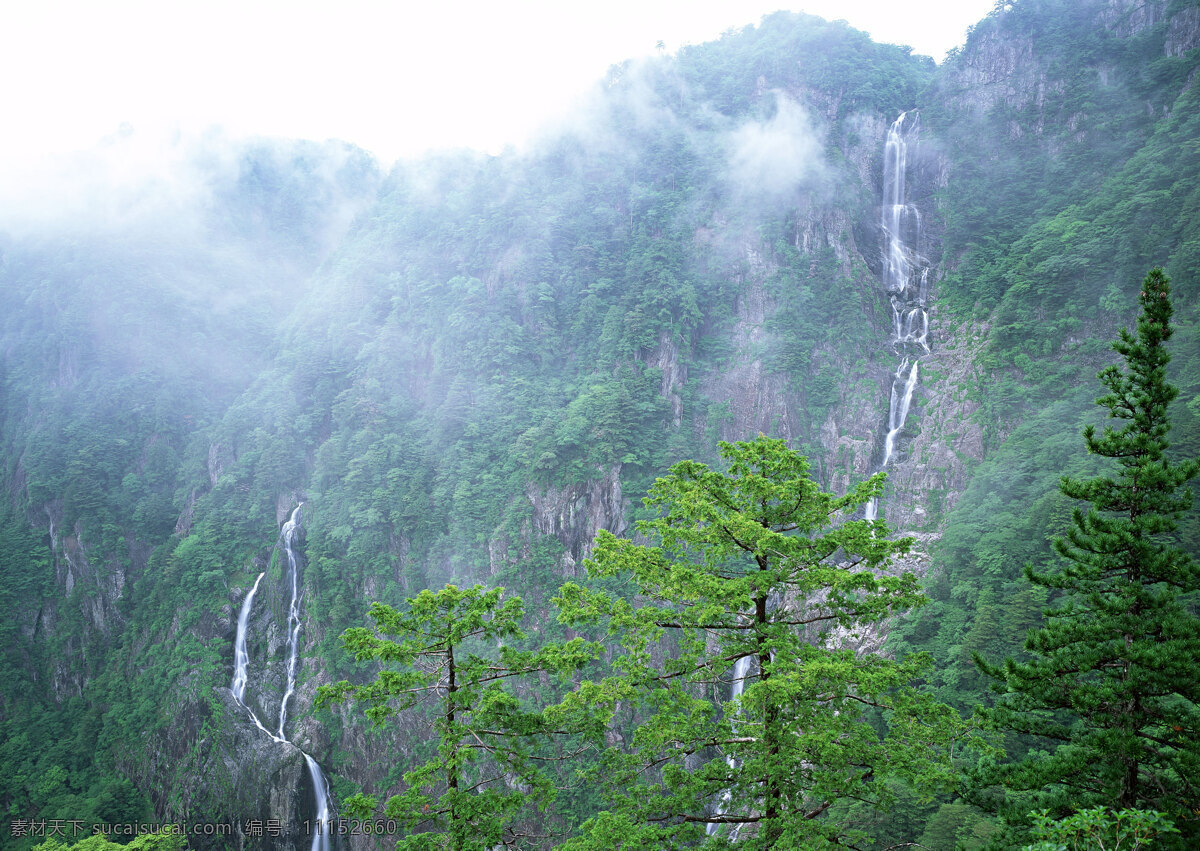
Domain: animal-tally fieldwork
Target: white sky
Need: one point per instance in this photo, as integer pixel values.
(395, 77)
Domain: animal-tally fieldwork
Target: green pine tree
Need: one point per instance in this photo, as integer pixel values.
(762, 579)
(446, 652)
(1111, 692)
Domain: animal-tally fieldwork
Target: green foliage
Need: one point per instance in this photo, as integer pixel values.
(980, 600)
(1110, 684)
(123, 342)
(1073, 176)
(824, 56)
(755, 571)
(1100, 829)
(26, 578)
(164, 841)
(958, 826)
(485, 774)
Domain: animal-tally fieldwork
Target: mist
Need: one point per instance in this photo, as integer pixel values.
(773, 160)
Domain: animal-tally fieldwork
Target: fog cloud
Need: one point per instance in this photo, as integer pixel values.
(130, 180)
(776, 159)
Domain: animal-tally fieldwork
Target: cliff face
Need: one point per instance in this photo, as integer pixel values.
(252, 783)
(1010, 101)
(573, 515)
(945, 439)
(1011, 61)
(761, 401)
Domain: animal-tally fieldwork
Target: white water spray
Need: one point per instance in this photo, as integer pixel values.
(321, 833)
(741, 669)
(241, 658)
(288, 536)
(905, 280)
(903, 264)
(898, 411)
(901, 222)
(322, 830)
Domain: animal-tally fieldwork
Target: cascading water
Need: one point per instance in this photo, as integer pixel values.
(741, 669)
(903, 264)
(321, 838)
(905, 281)
(288, 536)
(241, 658)
(902, 393)
(322, 830)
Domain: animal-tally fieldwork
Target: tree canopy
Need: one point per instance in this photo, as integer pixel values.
(1111, 686)
(756, 576)
(445, 651)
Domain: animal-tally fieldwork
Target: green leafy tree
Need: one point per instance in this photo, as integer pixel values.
(147, 842)
(485, 773)
(762, 578)
(1099, 829)
(1113, 683)
(959, 826)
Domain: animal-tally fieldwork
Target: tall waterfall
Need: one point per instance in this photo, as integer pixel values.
(288, 536)
(905, 280)
(321, 831)
(898, 407)
(904, 268)
(741, 670)
(241, 658)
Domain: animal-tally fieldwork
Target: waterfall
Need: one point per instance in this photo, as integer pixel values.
(321, 840)
(288, 536)
(897, 216)
(741, 669)
(321, 830)
(241, 658)
(905, 279)
(898, 409)
(900, 221)
(915, 328)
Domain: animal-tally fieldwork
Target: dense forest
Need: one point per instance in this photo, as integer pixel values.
(791, 450)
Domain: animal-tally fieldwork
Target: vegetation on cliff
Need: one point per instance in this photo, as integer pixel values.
(755, 576)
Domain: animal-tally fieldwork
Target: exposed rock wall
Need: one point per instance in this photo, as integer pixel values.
(674, 373)
(246, 778)
(1183, 32)
(573, 514)
(760, 401)
(1002, 67)
(942, 440)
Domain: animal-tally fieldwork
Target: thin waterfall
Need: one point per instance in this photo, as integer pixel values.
(321, 836)
(241, 658)
(741, 669)
(902, 393)
(288, 536)
(321, 840)
(905, 279)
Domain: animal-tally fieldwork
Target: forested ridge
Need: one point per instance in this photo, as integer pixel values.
(471, 369)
